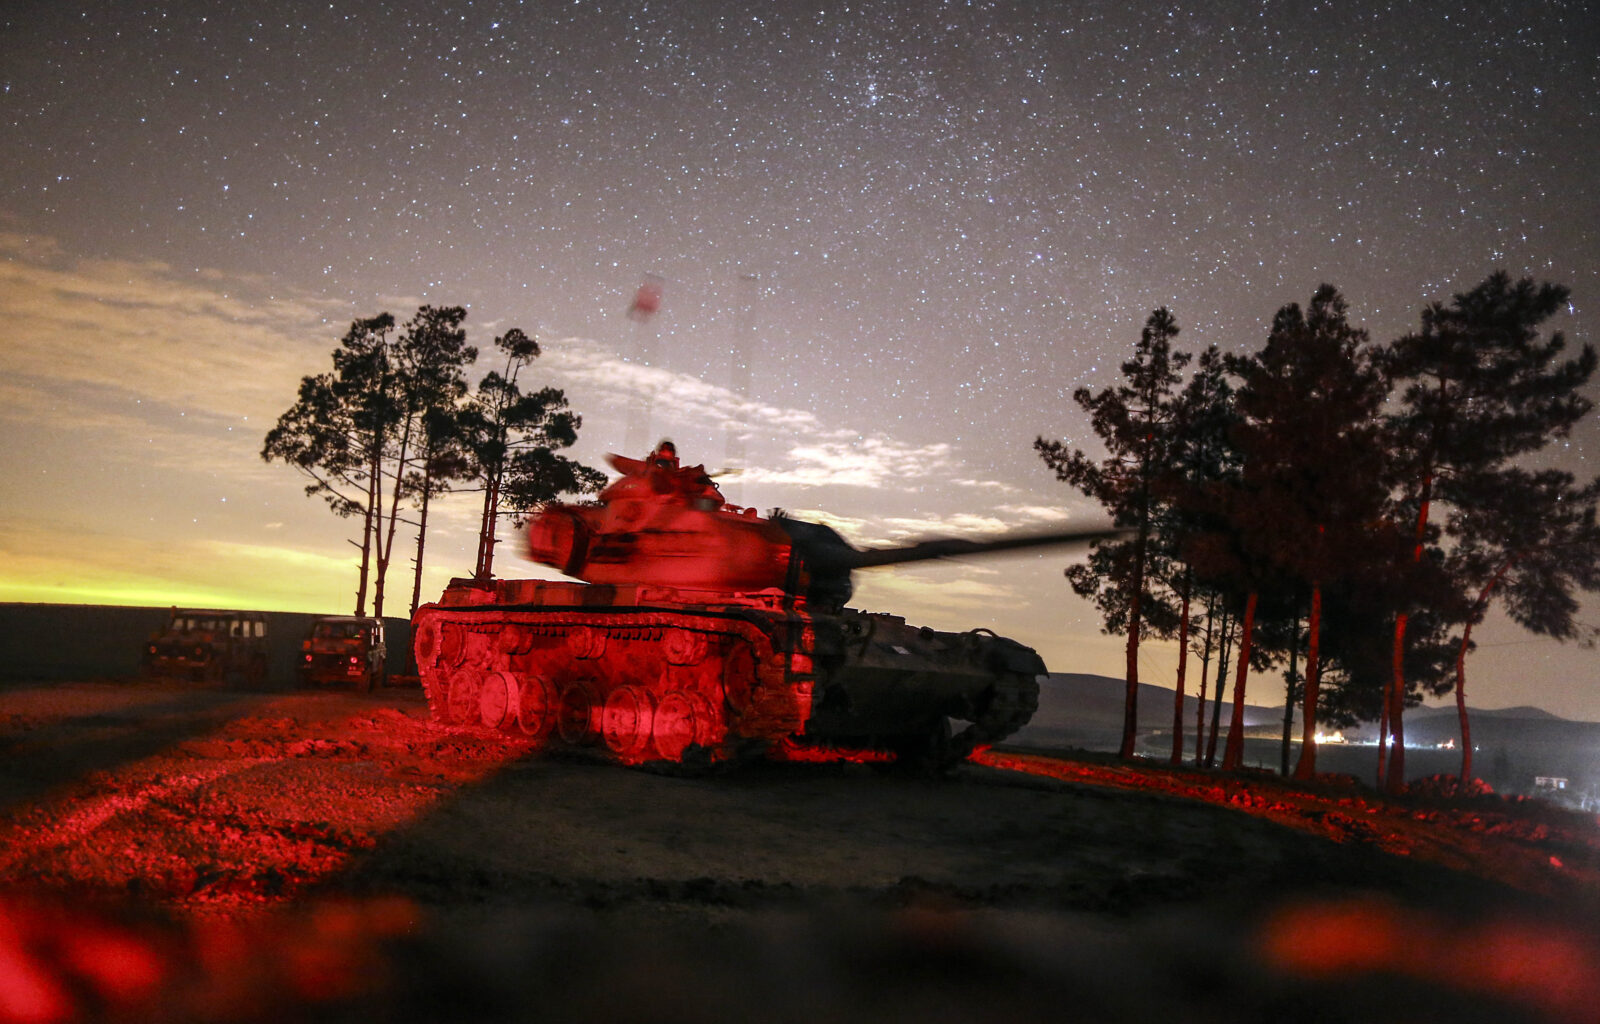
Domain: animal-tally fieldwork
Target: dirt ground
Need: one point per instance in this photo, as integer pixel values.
(178, 853)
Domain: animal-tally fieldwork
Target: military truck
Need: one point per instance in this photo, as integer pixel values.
(210, 645)
(343, 649)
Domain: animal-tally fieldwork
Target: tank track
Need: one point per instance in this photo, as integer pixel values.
(699, 684)
(645, 685)
(1015, 699)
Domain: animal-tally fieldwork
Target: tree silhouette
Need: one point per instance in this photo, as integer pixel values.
(513, 438)
(1201, 451)
(434, 357)
(389, 425)
(1528, 539)
(1481, 389)
(338, 429)
(1310, 431)
(1134, 420)
(422, 371)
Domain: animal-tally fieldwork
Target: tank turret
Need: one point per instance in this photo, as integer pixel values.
(701, 631)
(664, 524)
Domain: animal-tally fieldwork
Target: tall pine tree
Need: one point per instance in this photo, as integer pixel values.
(1135, 421)
(1481, 388)
(514, 438)
(1528, 540)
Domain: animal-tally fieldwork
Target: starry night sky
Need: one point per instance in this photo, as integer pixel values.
(893, 237)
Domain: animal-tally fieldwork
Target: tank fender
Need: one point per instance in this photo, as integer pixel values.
(1005, 654)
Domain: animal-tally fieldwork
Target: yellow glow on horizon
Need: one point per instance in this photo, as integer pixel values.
(200, 573)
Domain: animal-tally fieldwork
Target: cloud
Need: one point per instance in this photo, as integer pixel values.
(226, 346)
(134, 385)
(1038, 513)
(926, 600)
(820, 456)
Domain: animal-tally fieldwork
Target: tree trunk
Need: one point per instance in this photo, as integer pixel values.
(489, 540)
(1395, 779)
(1461, 664)
(1205, 672)
(1183, 665)
(1307, 768)
(1288, 697)
(422, 534)
(491, 515)
(368, 528)
(1130, 699)
(1220, 685)
(386, 547)
(1233, 756)
(1383, 735)
(1461, 703)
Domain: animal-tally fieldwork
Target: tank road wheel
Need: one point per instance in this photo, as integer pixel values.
(537, 707)
(683, 719)
(684, 647)
(425, 643)
(463, 698)
(626, 721)
(710, 721)
(674, 727)
(586, 641)
(575, 714)
(497, 700)
(452, 643)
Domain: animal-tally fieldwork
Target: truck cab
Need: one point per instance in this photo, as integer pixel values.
(343, 649)
(209, 644)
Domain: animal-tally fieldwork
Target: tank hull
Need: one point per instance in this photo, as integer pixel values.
(657, 674)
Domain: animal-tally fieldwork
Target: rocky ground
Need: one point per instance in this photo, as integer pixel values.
(178, 853)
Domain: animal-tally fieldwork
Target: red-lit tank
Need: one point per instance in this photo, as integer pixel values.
(703, 631)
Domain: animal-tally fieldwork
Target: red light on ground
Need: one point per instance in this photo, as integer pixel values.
(1541, 965)
(49, 958)
(795, 753)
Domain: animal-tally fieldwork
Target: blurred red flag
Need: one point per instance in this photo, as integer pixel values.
(647, 300)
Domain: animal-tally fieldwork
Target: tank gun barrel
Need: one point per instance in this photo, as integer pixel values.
(945, 547)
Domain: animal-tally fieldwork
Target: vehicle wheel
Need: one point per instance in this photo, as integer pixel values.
(538, 707)
(461, 700)
(497, 700)
(626, 721)
(674, 727)
(576, 714)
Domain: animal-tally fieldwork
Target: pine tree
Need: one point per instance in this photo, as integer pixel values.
(339, 429)
(434, 357)
(1528, 539)
(1310, 479)
(1134, 420)
(513, 438)
(1481, 389)
(1201, 452)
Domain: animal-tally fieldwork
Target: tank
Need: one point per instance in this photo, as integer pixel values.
(695, 631)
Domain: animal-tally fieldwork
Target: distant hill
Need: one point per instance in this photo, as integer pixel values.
(1514, 745)
(1084, 711)
(1522, 711)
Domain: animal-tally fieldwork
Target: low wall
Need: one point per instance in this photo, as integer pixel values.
(81, 641)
